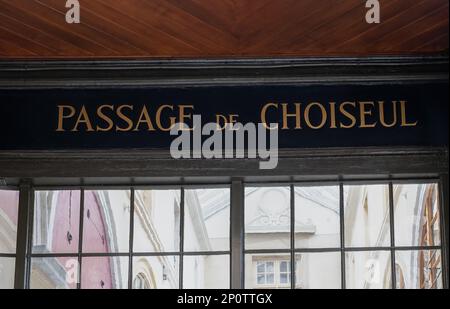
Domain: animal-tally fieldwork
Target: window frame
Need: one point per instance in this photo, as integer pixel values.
(27, 199)
(276, 272)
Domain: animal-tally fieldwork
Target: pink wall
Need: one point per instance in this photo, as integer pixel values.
(96, 271)
(9, 203)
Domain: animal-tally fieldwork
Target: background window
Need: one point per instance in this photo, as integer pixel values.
(265, 273)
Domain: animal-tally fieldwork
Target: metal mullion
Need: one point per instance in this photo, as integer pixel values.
(155, 253)
(443, 203)
(237, 227)
(53, 255)
(342, 233)
(105, 254)
(181, 256)
(317, 250)
(417, 248)
(7, 255)
(80, 237)
(267, 251)
(131, 240)
(30, 235)
(392, 230)
(292, 205)
(203, 253)
(24, 236)
(361, 249)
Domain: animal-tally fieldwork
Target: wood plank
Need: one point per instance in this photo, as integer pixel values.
(221, 28)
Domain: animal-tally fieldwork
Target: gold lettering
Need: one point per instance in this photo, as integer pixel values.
(403, 115)
(104, 117)
(158, 118)
(218, 120)
(184, 116)
(382, 114)
(125, 118)
(296, 115)
(307, 115)
(62, 116)
(264, 115)
(145, 118)
(348, 115)
(333, 115)
(363, 112)
(83, 118)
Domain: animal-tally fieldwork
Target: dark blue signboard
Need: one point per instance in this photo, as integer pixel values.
(306, 116)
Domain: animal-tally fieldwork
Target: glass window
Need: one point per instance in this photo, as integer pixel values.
(367, 221)
(141, 283)
(317, 217)
(267, 218)
(207, 220)
(285, 272)
(104, 273)
(318, 270)
(157, 221)
(9, 205)
(320, 254)
(7, 269)
(368, 270)
(56, 221)
(206, 272)
(158, 272)
(264, 271)
(416, 215)
(54, 273)
(106, 225)
(424, 269)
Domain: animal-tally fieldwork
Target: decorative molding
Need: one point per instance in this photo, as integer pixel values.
(221, 72)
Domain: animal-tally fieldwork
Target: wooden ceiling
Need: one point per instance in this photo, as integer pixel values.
(36, 29)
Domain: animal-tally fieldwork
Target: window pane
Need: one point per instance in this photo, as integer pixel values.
(56, 221)
(7, 269)
(417, 215)
(318, 270)
(284, 267)
(157, 272)
(269, 277)
(104, 273)
(207, 220)
(317, 223)
(106, 225)
(54, 273)
(157, 221)
(261, 267)
(9, 205)
(206, 272)
(368, 270)
(419, 269)
(267, 218)
(285, 278)
(367, 222)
